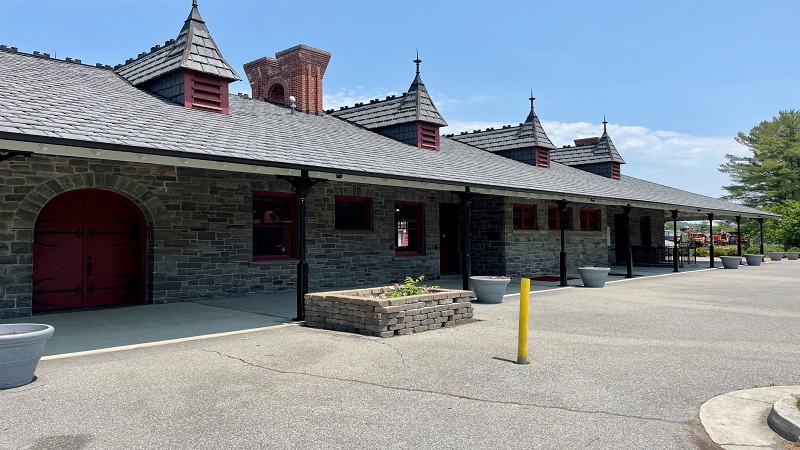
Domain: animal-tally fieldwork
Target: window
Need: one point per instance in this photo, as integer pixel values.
(524, 217)
(542, 157)
(409, 228)
(274, 226)
(590, 219)
(615, 172)
(554, 220)
(353, 213)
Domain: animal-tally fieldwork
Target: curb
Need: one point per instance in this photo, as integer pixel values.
(784, 418)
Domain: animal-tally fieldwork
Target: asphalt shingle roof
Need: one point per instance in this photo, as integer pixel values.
(415, 105)
(52, 101)
(527, 135)
(193, 49)
(603, 151)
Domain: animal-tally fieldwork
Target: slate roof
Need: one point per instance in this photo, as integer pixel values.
(415, 105)
(527, 135)
(193, 49)
(603, 151)
(57, 102)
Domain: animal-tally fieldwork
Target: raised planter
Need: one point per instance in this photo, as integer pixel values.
(594, 276)
(360, 311)
(753, 260)
(731, 262)
(775, 256)
(792, 256)
(489, 289)
(21, 347)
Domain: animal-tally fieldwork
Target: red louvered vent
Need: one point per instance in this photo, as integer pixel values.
(542, 157)
(427, 135)
(205, 92)
(615, 172)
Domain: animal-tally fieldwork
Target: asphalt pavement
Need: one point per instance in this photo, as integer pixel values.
(627, 366)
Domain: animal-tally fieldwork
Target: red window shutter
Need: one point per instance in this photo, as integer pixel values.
(427, 135)
(615, 172)
(205, 92)
(542, 157)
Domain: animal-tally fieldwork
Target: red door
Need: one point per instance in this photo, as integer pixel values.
(87, 251)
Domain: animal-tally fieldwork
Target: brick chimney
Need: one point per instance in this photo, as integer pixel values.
(297, 72)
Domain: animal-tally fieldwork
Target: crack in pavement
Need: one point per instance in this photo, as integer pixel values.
(442, 393)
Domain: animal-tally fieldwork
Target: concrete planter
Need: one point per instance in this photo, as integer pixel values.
(775, 256)
(489, 289)
(731, 262)
(21, 347)
(594, 276)
(753, 260)
(792, 256)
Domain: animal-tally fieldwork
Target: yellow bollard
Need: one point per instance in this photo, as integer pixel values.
(524, 303)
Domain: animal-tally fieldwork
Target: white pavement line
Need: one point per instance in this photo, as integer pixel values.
(165, 342)
(644, 277)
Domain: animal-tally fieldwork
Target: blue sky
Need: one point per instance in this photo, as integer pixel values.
(677, 80)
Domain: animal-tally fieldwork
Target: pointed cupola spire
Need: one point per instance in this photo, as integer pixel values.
(417, 103)
(606, 148)
(533, 129)
(189, 69)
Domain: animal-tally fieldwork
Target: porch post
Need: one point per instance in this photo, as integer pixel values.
(562, 257)
(628, 252)
(675, 247)
(711, 243)
(739, 236)
(466, 258)
(761, 232)
(302, 187)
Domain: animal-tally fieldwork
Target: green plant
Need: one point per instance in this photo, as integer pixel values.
(773, 249)
(702, 252)
(409, 287)
(797, 403)
(793, 249)
(753, 251)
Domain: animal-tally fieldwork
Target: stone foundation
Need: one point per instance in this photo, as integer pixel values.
(357, 311)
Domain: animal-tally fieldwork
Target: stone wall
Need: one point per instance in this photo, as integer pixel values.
(487, 228)
(357, 311)
(199, 233)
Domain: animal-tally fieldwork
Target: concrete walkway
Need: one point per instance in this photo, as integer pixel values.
(136, 325)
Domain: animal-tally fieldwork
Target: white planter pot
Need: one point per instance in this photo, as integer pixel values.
(792, 256)
(594, 276)
(489, 289)
(775, 256)
(754, 260)
(21, 346)
(731, 262)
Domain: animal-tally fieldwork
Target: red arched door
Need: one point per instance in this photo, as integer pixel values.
(88, 251)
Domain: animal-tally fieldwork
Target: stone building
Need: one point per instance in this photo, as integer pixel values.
(149, 183)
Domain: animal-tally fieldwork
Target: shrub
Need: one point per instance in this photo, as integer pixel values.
(409, 287)
(702, 252)
(753, 250)
(793, 249)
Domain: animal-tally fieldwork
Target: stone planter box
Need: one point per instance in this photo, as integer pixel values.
(489, 289)
(357, 311)
(753, 260)
(21, 347)
(775, 256)
(792, 256)
(594, 277)
(731, 262)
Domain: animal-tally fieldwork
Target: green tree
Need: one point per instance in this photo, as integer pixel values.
(771, 175)
(787, 230)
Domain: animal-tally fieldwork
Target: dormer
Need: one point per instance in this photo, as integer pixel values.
(412, 118)
(597, 155)
(526, 143)
(189, 70)
(295, 72)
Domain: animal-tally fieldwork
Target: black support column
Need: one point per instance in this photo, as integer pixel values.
(302, 187)
(626, 210)
(711, 242)
(466, 257)
(739, 236)
(761, 232)
(676, 249)
(562, 257)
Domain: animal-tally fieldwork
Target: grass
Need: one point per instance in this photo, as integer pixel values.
(797, 403)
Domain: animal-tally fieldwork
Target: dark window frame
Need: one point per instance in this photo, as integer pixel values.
(554, 218)
(420, 229)
(292, 224)
(520, 225)
(366, 210)
(591, 219)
